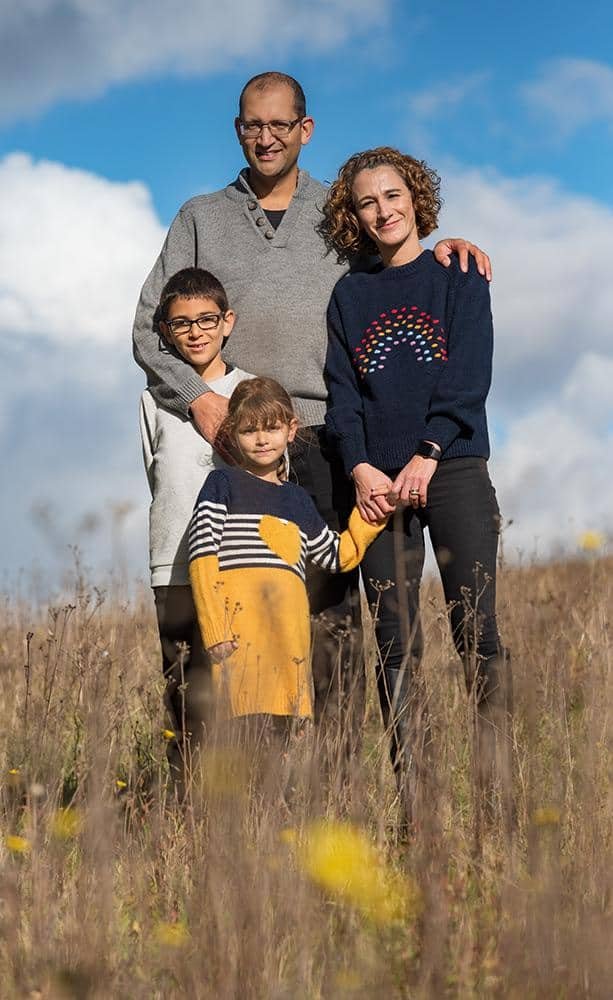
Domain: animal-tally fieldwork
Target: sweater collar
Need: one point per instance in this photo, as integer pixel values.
(403, 270)
(240, 189)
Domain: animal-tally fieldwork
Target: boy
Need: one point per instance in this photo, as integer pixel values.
(194, 320)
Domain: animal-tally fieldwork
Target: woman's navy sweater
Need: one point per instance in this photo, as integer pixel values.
(409, 358)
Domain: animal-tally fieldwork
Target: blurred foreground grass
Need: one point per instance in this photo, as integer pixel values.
(278, 885)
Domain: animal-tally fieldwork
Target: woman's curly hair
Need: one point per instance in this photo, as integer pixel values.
(340, 227)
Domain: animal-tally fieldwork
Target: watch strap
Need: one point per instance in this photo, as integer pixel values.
(428, 450)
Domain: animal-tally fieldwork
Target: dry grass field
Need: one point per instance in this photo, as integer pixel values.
(274, 884)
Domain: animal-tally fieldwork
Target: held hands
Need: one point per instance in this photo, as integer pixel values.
(410, 487)
(222, 650)
(444, 249)
(373, 491)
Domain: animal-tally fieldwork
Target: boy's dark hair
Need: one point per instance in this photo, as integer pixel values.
(271, 79)
(191, 283)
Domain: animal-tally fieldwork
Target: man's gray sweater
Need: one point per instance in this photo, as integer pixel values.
(278, 282)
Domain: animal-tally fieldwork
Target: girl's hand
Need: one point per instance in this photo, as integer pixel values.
(411, 483)
(222, 650)
(371, 488)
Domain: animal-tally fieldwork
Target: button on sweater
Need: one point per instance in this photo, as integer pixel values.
(409, 358)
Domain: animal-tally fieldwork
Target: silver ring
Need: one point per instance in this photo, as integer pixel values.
(413, 493)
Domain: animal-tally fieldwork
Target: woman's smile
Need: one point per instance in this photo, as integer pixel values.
(385, 211)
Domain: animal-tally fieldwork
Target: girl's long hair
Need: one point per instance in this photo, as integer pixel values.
(256, 402)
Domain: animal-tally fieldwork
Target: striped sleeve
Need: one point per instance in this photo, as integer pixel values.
(208, 519)
(205, 534)
(338, 553)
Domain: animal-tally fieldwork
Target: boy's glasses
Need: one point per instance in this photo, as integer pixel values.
(253, 130)
(181, 325)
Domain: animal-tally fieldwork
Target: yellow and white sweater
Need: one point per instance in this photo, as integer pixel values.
(249, 542)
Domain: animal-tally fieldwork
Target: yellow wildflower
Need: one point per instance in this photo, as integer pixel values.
(546, 816)
(591, 541)
(13, 777)
(342, 860)
(171, 935)
(66, 824)
(16, 844)
(119, 784)
(168, 734)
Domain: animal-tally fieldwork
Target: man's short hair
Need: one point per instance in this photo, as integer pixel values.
(272, 79)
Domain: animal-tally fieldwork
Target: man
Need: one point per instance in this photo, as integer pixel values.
(258, 237)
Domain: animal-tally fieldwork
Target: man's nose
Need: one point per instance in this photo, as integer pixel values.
(266, 136)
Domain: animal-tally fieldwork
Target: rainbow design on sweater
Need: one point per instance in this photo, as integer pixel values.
(405, 325)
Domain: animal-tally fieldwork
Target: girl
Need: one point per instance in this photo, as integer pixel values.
(408, 372)
(251, 534)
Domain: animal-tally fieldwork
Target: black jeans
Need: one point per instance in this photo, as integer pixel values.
(187, 670)
(337, 661)
(462, 517)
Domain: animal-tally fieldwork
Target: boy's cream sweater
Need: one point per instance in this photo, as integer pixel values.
(177, 460)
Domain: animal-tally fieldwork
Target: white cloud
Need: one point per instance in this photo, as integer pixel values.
(74, 247)
(572, 93)
(444, 98)
(552, 472)
(74, 251)
(77, 48)
(552, 293)
(552, 303)
(440, 101)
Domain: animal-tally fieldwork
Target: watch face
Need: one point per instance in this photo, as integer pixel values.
(427, 450)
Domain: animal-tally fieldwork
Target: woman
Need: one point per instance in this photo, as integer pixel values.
(408, 372)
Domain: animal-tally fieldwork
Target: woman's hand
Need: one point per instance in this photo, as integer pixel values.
(371, 489)
(444, 249)
(222, 650)
(411, 484)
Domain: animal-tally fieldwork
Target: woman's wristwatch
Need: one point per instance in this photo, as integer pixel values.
(428, 450)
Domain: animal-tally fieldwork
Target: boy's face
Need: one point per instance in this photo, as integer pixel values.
(198, 342)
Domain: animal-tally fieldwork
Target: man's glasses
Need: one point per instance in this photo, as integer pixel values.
(181, 325)
(253, 130)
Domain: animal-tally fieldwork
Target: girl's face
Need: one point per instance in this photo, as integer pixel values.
(384, 209)
(263, 447)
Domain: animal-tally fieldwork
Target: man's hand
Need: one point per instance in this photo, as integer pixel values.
(208, 411)
(222, 650)
(371, 487)
(444, 249)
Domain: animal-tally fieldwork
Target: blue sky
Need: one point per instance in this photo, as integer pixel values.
(469, 65)
(512, 103)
